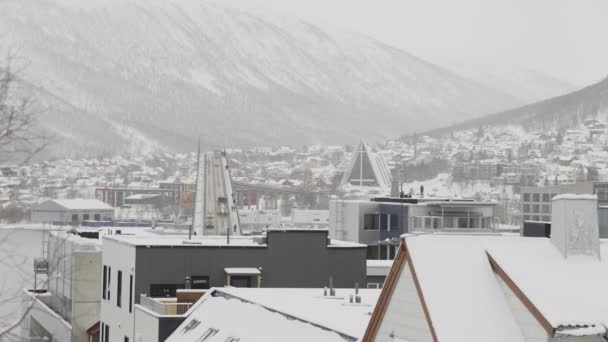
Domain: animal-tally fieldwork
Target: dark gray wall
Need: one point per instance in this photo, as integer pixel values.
(291, 259)
(167, 325)
(371, 237)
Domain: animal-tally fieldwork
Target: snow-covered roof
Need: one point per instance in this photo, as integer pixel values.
(278, 314)
(462, 282)
(82, 204)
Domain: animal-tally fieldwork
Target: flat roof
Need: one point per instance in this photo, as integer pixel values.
(148, 239)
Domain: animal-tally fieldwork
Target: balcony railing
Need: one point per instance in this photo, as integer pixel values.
(451, 223)
(164, 306)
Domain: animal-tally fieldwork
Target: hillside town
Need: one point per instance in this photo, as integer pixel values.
(303, 171)
(488, 163)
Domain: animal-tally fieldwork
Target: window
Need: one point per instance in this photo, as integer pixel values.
(383, 252)
(526, 197)
(74, 217)
(370, 222)
(106, 334)
(536, 208)
(85, 217)
(97, 217)
(526, 217)
(526, 208)
(372, 252)
(391, 252)
(126, 339)
(109, 281)
(535, 218)
(373, 285)
(546, 197)
(394, 222)
(130, 293)
(546, 208)
(546, 218)
(535, 197)
(383, 221)
(105, 282)
(119, 289)
(164, 290)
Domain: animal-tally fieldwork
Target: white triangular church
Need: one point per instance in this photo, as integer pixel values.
(366, 169)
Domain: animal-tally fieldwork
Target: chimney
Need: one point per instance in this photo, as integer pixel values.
(574, 225)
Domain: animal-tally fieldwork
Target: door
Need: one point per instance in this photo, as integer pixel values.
(240, 281)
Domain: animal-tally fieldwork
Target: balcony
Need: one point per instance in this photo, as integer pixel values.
(164, 306)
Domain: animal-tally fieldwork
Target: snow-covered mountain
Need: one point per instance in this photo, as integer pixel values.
(560, 112)
(131, 74)
(523, 84)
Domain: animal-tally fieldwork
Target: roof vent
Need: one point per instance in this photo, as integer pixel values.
(574, 225)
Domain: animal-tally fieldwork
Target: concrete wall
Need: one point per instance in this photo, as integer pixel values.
(86, 293)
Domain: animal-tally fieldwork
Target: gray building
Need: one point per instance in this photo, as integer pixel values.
(160, 265)
(380, 222)
(536, 200)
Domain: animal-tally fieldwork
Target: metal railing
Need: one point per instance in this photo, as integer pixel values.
(163, 307)
(430, 223)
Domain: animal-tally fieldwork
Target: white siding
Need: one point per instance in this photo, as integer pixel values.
(118, 256)
(404, 317)
(531, 329)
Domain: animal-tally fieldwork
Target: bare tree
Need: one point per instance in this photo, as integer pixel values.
(20, 136)
(20, 140)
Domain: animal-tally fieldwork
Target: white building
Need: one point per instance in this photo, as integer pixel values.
(500, 288)
(72, 211)
(66, 308)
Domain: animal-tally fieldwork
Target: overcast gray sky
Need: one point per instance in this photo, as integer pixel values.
(567, 39)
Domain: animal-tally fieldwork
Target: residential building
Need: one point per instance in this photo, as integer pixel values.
(71, 211)
(66, 307)
(536, 201)
(499, 288)
(379, 222)
(160, 265)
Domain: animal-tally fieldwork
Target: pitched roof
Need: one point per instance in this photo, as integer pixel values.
(460, 279)
(82, 204)
(265, 314)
